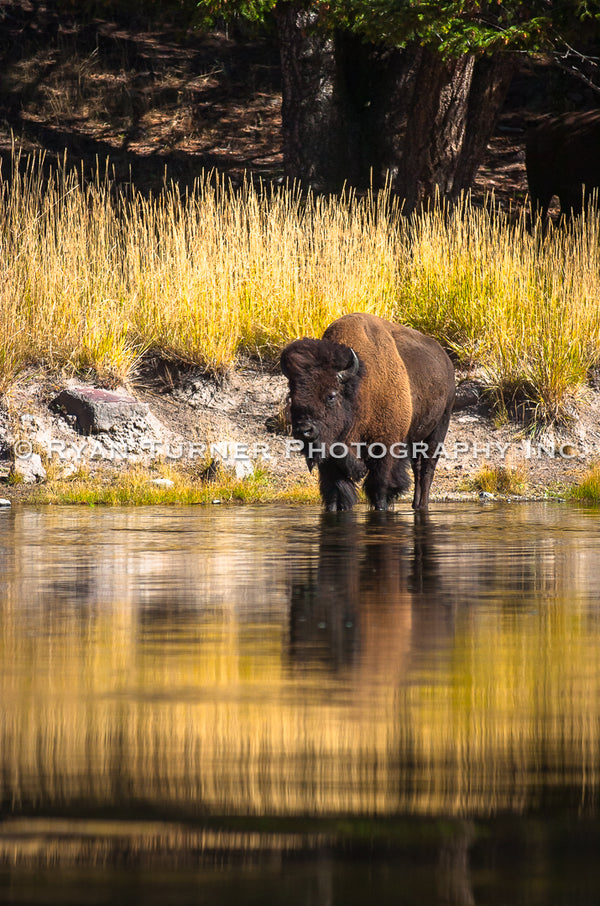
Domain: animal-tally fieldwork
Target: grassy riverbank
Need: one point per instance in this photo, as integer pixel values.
(94, 279)
(139, 486)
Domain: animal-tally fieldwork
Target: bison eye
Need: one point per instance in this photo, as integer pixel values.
(331, 398)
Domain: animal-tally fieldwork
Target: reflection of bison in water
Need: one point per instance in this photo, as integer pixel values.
(364, 399)
(375, 603)
(562, 157)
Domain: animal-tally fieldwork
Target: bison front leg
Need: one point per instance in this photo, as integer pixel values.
(377, 483)
(337, 489)
(387, 479)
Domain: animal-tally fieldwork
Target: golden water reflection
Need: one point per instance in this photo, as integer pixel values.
(281, 662)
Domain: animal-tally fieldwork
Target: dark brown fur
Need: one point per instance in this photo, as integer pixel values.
(403, 392)
(562, 157)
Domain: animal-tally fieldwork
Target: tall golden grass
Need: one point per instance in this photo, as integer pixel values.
(94, 279)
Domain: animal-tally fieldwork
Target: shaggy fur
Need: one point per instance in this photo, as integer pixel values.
(401, 392)
(562, 156)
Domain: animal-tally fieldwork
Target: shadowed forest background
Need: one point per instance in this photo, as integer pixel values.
(156, 97)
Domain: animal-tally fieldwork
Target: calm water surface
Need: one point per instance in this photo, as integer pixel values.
(273, 705)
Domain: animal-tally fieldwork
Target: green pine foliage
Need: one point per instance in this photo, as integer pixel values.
(453, 28)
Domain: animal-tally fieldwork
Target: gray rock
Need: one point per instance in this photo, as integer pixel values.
(468, 393)
(29, 469)
(99, 410)
(233, 460)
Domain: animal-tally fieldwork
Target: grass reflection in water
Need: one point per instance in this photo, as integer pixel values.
(364, 666)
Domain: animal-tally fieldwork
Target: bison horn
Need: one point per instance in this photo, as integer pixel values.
(352, 371)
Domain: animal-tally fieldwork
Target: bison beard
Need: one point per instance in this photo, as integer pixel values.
(369, 383)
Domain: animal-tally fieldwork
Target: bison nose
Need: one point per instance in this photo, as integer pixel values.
(306, 430)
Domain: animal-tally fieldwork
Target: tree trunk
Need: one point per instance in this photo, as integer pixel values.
(368, 115)
(319, 142)
(490, 82)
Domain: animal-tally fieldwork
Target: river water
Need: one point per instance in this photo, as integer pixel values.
(275, 705)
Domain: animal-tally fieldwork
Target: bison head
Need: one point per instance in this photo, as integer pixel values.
(324, 378)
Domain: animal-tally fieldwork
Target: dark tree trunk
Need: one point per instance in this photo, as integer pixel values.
(413, 123)
(365, 115)
(319, 141)
(491, 79)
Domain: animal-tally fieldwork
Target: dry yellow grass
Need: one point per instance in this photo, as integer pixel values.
(136, 486)
(504, 479)
(587, 488)
(93, 280)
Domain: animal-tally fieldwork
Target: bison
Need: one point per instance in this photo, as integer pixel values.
(562, 157)
(365, 399)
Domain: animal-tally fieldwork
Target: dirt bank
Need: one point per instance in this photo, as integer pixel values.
(238, 421)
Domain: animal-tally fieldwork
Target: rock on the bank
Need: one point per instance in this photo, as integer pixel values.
(99, 410)
(228, 456)
(163, 482)
(29, 469)
(468, 394)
